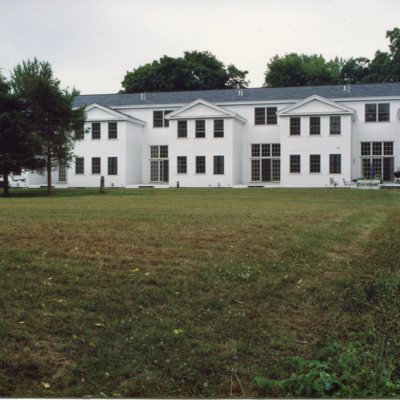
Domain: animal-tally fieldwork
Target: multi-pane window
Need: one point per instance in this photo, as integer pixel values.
(200, 128)
(265, 162)
(265, 116)
(112, 165)
(295, 163)
(377, 112)
(112, 130)
(315, 125)
(96, 132)
(79, 165)
(96, 165)
(315, 163)
(219, 165)
(218, 128)
(62, 173)
(182, 129)
(182, 165)
(335, 163)
(295, 126)
(159, 164)
(159, 120)
(377, 160)
(200, 164)
(334, 125)
(79, 134)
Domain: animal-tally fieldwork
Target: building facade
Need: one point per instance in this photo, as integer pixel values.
(272, 137)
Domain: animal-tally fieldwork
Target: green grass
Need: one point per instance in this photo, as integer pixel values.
(189, 292)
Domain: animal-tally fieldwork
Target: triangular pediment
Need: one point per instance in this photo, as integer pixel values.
(316, 105)
(98, 112)
(203, 109)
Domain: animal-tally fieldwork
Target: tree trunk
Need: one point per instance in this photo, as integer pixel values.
(48, 174)
(6, 188)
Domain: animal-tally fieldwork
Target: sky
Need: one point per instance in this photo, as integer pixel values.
(91, 44)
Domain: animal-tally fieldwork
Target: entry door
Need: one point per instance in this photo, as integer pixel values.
(388, 168)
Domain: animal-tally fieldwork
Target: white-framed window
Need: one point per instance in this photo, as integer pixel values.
(335, 125)
(335, 163)
(62, 173)
(200, 164)
(96, 165)
(200, 128)
(295, 163)
(182, 129)
(159, 120)
(79, 165)
(218, 128)
(96, 130)
(315, 125)
(112, 165)
(265, 160)
(219, 165)
(181, 163)
(295, 126)
(315, 163)
(112, 130)
(265, 116)
(159, 164)
(377, 112)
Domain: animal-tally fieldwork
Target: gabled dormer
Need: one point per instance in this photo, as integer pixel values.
(316, 105)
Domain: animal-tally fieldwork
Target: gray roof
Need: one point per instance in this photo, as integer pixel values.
(249, 95)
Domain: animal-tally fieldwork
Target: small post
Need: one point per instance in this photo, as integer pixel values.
(177, 184)
(102, 185)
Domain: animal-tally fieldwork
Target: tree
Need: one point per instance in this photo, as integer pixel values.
(19, 146)
(53, 118)
(301, 70)
(194, 71)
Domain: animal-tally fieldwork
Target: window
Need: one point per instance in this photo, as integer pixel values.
(265, 116)
(315, 125)
(377, 160)
(218, 128)
(62, 173)
(112, 166)
(182, 129)
(96, 133)
(79, 165)
(79, 135)
(335, 163)
(265, 162)
(271, 116)
(315, 163)
(200, 165)
(259, 116)
(182, 165)
(219, 165)
(334, 125)
(96, 165)
(159, 164)
(112, 130)
(377, 112)
(200, 128)
(159, 120)
(295, 166)
(295, 127)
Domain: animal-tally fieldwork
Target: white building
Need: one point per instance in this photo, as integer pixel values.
(287, 137)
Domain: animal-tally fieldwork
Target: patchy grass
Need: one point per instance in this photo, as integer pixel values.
(181, 293)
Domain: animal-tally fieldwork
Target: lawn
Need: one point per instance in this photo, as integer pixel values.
(194, 292)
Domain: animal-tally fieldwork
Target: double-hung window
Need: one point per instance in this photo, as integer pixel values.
(218, 128)
(96, 132)
(200, 164)
(96, 165)
(265, 116)
(315, 163)
(335, 163)
(377, 112)
(315, 125)
(112, 130)
(219, 165)
(334, 125)
(295, 163)
(200, 128)
(79, 165)
(182, 129)
(182, 165)
(159, 120)
(112, 165)
(295, 126)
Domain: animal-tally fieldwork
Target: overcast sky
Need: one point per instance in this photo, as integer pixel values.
(92, 43)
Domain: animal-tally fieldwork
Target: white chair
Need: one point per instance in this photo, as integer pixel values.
(332, 182)
(347, 184)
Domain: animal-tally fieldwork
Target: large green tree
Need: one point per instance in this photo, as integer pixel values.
(194, 71)
(53, 118)
(304, 70)
(19, 146)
